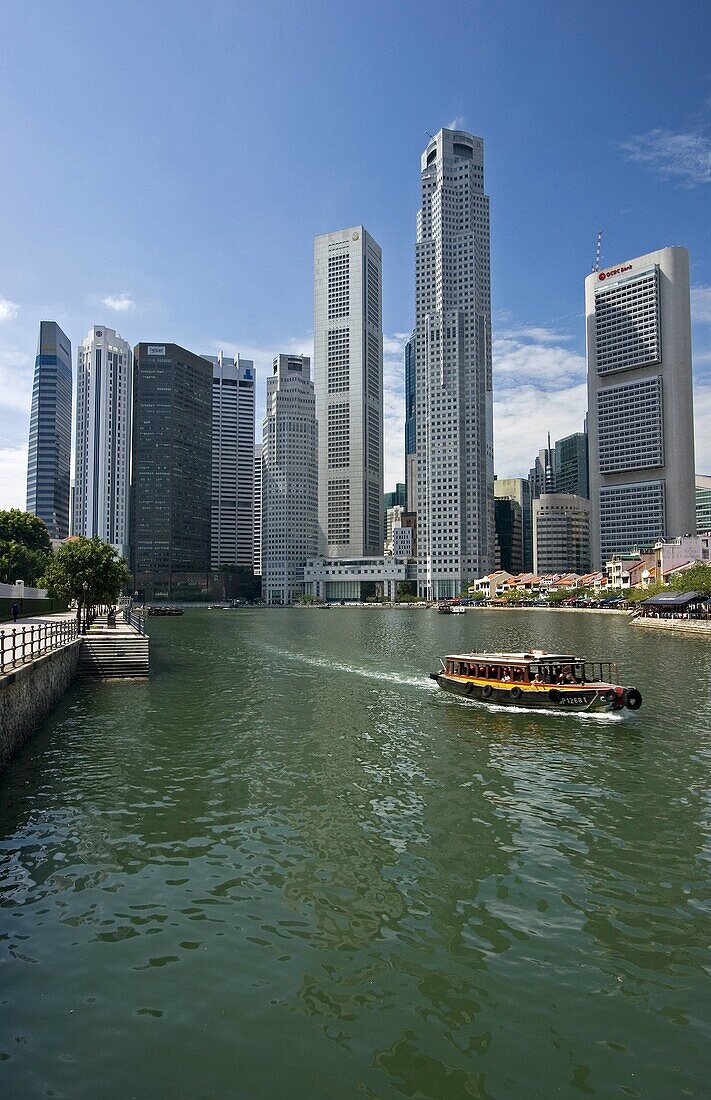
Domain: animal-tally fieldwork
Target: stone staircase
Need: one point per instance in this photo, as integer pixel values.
(118, 651)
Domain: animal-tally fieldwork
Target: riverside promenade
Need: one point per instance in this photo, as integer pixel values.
(40, 657)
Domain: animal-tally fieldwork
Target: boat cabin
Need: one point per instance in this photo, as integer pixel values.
(529, 668)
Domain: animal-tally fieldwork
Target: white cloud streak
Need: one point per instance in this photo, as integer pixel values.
(120, 303)
(701, 305)
(13, 477)
(685, 158)
(8, 310)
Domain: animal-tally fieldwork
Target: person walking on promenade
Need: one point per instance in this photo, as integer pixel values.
(15, 611)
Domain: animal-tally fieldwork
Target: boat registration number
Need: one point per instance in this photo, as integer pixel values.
(574, 699)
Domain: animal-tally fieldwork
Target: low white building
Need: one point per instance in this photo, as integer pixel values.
(355, 579)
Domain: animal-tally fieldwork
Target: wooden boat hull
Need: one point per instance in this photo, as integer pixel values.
(588, 699)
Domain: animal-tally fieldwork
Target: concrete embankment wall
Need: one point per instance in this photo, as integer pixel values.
(28, 693)
(685, 626)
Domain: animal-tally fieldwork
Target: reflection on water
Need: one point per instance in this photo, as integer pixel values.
(290, 865)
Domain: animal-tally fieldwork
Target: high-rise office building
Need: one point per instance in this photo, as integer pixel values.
(411, 424)
(233, 389)
(541, 476)
(703, 503)
(50, 443)
(517, 489)
(397, 498)
(640, 402)
(289, 479)
(348, 376)
(561, 534)
(455, 457)
(102, 456)
(571, 465)
(171, 471)
(257, 513)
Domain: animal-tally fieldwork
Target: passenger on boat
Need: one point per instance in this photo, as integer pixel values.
(538, 679)
(566, 676)
(506, 675)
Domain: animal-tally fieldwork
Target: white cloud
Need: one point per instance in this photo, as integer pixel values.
(394, 409)
(457, 123)
(701, 305)
(539, 386)
(16, 371)
(684, 157)
(13, 477)
(8, 310)
(121, 303)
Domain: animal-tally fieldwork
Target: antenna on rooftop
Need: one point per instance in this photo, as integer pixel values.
(429, 135)
(598, 251)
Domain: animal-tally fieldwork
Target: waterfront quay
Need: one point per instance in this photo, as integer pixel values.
(287, 864)
(41, 656)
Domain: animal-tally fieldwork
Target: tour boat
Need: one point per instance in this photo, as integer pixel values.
(557, 681)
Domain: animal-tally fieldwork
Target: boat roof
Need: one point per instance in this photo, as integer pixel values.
(513, 658)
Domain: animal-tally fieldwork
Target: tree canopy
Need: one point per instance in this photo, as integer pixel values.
(89, 561)
(25, 547)
(695, 579)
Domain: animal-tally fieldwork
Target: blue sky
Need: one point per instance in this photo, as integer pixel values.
(164, 167)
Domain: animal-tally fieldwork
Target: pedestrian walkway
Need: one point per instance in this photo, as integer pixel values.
(33, 636)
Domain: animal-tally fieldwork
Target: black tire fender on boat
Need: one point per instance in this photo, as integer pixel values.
(610, 696)
(468, 689)
(633, 699)
(516, 693)
(486, 691)
(554, 695)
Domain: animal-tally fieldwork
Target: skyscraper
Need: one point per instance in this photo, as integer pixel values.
(257, 513)
(571, 465)
(103, 437)
(411, 424)
(233, 386)
(289, 479)
(703, 503)
(348, 376)
(171, 471)
(50, 443)
(517, 489)
(561, 534)
(455, 460)
(640, 402)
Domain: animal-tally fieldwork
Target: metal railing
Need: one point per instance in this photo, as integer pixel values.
(26, 643)
(135, 619)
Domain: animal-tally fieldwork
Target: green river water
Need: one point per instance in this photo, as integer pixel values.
(289, 866)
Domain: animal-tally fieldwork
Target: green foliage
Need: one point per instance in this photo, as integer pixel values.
(307, 599)
(478, 597)
(695, 579)
(89, 561)
(25, 547)
(637, 595)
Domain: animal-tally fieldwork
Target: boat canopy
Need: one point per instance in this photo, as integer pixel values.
(513, 658)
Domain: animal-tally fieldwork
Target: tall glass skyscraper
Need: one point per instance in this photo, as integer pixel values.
(233, 388)
(102, 459)
(348, 377)
(171, 471)
(50, 442)
(455, 453)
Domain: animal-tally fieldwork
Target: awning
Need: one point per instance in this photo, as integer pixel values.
(673, 599)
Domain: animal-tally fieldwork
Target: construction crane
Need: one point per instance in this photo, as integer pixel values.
(598, 251)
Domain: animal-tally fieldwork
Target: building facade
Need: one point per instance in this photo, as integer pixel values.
(50, 442)
(257, 513)
(233, 390)
(571, 465)
(289, 479)
(411, 424)
(703, 503)
(355, 579)
(171, 471)
(518, 489)
(348, 376)
(454, 412)
(640, 402)
(102, 456)
(508, 520)
(561, 534)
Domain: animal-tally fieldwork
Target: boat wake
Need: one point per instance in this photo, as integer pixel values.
(587, 716)
(422, 682)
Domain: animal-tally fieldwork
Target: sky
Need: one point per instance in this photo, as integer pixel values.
(164, 167)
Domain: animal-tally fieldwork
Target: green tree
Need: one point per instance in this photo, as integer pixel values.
(695, 579)
(88, 571)
(637, 595)
(25, 547)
